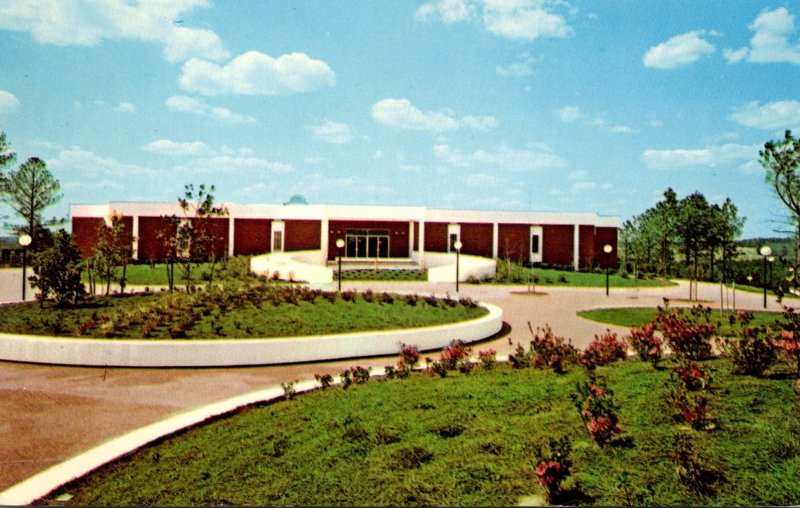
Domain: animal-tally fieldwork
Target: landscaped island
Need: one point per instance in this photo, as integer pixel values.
(257, 310)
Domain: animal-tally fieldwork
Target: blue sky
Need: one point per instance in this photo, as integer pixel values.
(477, 104)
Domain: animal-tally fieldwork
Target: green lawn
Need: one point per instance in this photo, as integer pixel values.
(465, 440)
(156, 275)
(636, 317)
(516, 274)
(255, 311)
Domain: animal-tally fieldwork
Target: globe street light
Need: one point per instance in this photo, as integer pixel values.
(766, 252)
(457, 245)
(339, 245)
(607, 248)
(24, 241)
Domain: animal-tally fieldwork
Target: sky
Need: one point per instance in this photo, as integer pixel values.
(543, 105)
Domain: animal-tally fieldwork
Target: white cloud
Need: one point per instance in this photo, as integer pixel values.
(255, 73)
(770, 42)
(679, 50)
(74, 22)
(77, 161)
(186, 104)
(446, 11)
(502, 157)
(176, 149)
(482, 180)
(125, 107)
(523, 20)
(402, 114)
(579, 175)
(710, 156)
(226, 163)
(570, 114)
(583, 186)
(621, 129)
(332, 132)
(780, 115)
(521, 68)
(8, 102)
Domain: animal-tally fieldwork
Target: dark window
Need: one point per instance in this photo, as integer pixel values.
(534, 244)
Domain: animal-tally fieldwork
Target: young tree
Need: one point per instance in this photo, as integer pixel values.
(195, 240)
(57, 271)
(6, 155)
(28, 191)
(113, 249)
(781, 160)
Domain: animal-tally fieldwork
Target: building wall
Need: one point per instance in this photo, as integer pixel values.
(603, 236)
(215, 231)
(302, 235)
(436, 236)
(513, 242)
(557, 245)
(150, 245)
(586, 251)
(398, 235)
(251, 236)
(477, 239)
(84, 231)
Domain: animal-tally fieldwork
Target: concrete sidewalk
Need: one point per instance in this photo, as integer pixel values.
(51, 413)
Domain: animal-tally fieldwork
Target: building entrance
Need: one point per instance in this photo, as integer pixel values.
(368, 243)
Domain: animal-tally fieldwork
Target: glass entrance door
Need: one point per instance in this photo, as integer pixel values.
(368, 243)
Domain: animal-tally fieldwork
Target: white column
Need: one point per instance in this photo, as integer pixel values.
(410, 238)
(323, 240)
(231, 233)
(422, 263)
(135, 233)
(495, 240)
(576, 244)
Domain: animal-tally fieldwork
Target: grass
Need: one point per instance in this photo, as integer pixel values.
(513, 273)
(636, 317)
(464, 440)
(254, 312)
(156, 275)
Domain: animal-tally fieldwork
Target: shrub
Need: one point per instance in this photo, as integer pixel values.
(521, 358)
(454, 355)
(289, 391)
(324, 380)
(789, 338)
(691, 382)
(57, 271)
(487, 358)
(349, 295)
(647, 345)
(597, 409)
(360, 375)
(685, 336)
(603, 350)
(409, 356)
(552, 351)
(554, 466)
(693, 470)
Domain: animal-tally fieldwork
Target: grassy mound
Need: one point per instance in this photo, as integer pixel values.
(467, 440)
(252, 311)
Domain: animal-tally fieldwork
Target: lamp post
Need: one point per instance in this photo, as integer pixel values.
(766, 252)
(339, 245)
(607, 248)
(457, 245)
(24, 241)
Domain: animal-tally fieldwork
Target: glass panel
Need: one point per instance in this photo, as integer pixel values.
(534, 244)
(277, 241)
(351, 246)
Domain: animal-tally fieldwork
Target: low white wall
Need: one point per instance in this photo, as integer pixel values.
(306, 266)
(224, 353)
(442, 266)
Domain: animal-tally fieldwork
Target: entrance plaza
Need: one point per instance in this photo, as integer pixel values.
(51, 413)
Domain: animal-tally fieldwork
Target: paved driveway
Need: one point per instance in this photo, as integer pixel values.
(49, 413)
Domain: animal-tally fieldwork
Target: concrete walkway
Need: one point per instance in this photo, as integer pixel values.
(50, 413)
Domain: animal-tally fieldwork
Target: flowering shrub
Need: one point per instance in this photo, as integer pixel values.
(487, 358)
(603, 350)
(691, 407)
(554, 467)
(409, 357)
(692, 470)
(552, 351)
(597, 408)
(521, 358)
(324, 380)
(754, 351)
(685, 336)
(647, 345)
(455, 354)
(789, 338)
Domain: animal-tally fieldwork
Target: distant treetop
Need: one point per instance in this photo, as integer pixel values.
(297, 199)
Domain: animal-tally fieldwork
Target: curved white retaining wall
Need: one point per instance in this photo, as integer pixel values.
(307, 266)
(442, 266)
(240, 352)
